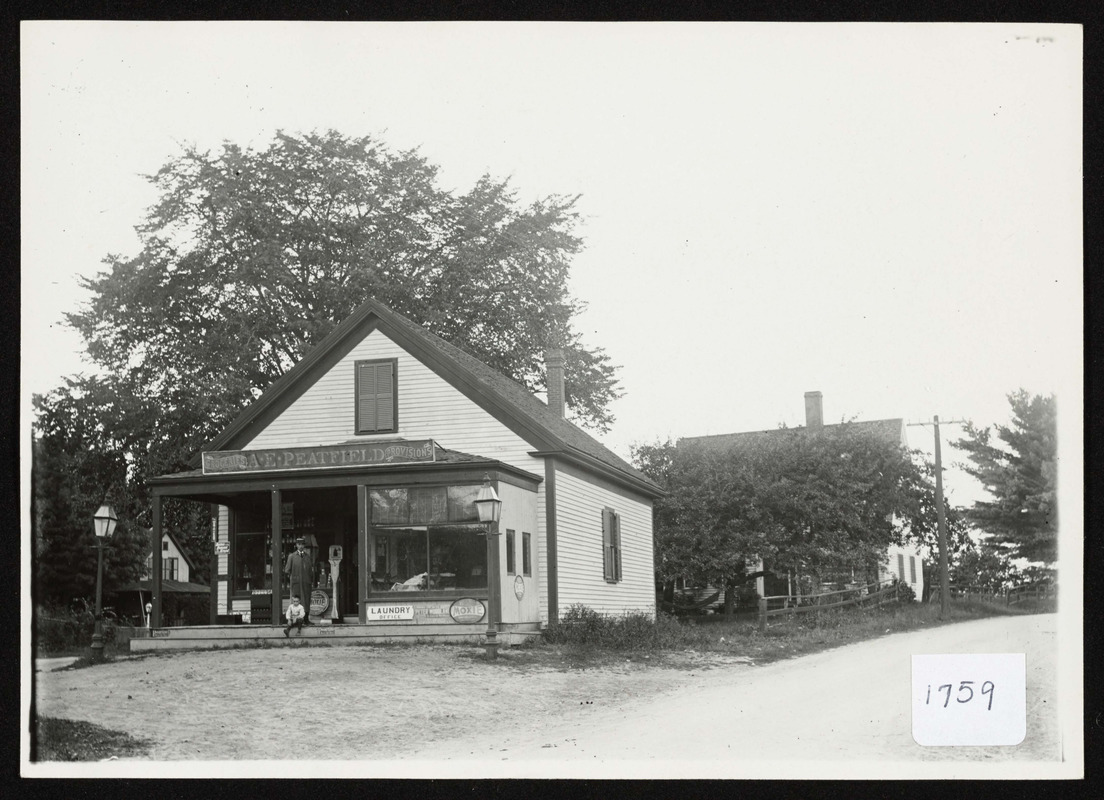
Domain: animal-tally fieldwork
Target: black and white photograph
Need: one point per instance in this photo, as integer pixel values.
(551, 399)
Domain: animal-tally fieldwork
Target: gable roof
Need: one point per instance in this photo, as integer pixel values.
(889, 430)
(502, 397)
(166, 533)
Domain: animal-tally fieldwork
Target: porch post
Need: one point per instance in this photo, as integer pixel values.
(155, 561)
(362, 553)
(277, 558)
(214, 564)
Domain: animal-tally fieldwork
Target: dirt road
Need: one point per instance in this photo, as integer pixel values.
(394, 709)
(849, 704)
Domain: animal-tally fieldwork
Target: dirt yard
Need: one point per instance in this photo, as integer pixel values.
(348, 703)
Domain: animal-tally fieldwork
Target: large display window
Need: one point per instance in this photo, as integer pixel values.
(427, 539)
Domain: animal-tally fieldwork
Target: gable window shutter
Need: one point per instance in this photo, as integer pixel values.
(385, 397)
(375, 396)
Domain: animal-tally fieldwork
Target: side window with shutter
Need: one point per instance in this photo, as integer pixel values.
(376, 396)
(611, 545)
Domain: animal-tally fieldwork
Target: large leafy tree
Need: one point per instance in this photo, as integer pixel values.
(984, 567)
(79, 464)
(250, 257)
(1018, 468)
(820, 502)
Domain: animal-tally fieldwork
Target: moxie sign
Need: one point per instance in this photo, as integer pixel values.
(325, 457)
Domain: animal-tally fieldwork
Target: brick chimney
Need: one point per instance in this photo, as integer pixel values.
(554, 367)
(814, 411)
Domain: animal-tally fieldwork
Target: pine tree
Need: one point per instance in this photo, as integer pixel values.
(1019, 471)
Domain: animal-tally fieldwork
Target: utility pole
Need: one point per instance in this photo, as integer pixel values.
(944, 572)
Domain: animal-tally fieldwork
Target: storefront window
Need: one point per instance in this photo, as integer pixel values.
(421, 542)
(436, 557)
(424, 505)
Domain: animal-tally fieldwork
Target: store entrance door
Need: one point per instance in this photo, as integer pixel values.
(348, 605)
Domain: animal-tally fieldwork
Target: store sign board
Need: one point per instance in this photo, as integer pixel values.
(222, 548)
(390, 611)
(222, 462)
(467, 610)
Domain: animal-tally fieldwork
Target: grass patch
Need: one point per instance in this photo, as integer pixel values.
(71, 740)
(583, 635)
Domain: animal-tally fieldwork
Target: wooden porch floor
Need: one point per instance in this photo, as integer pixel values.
(350, 633)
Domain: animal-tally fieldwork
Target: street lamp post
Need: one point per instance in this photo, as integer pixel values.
(105, 521)
(489, 508)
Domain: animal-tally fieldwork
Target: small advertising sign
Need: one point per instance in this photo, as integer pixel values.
(390, 612)
(519, 587)
(319, 602)
(467, 610)
(222, 548)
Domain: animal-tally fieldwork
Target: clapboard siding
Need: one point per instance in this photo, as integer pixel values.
(541, 555)
(579, 502)
(429, 408)
(519, 514)
(222, 534)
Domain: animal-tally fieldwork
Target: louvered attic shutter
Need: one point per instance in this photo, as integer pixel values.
(375, 396)
(385, 397)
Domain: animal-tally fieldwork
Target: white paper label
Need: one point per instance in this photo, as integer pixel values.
(969, 700)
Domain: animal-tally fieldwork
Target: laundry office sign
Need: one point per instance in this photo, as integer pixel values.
(325, 457)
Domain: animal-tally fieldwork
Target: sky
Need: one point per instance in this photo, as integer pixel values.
(889, 214)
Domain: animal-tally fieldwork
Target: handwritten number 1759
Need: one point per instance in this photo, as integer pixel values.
(987, 688)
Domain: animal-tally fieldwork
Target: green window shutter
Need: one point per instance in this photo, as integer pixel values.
(375, 396)
(385, 396)
(615, 518)
(607, 532)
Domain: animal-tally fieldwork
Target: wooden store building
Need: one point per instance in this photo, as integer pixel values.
(373, 450)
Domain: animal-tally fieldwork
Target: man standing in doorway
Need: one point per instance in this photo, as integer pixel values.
(300, 569)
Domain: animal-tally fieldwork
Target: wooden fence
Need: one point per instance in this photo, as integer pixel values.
(868, 594)
(1041, 590)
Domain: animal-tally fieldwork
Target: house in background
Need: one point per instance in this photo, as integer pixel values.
(176, 579)
(175, 563)
(373, 449)
(902, 562)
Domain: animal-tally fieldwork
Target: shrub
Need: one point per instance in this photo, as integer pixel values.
(582, 625)
(60, 629)
(905, 593)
